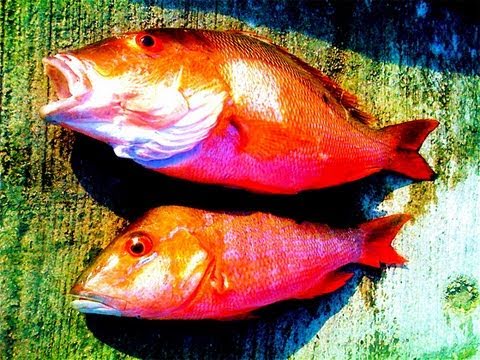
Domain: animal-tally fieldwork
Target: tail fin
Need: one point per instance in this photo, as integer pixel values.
(407, 138)
(379, 234)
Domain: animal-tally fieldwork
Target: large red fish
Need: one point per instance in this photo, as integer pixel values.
(225, 107)
(182, 263)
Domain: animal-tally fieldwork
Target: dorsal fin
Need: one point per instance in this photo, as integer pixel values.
(255, 36)
(345, 98)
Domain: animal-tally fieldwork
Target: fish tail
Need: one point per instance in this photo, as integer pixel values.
(406, 139)
(378, 236)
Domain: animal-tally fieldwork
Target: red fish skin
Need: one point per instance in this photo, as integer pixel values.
(241, 262)
(320, 141)
(256, 272)
(278, 260)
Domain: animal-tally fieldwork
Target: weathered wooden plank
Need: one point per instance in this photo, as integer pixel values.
(63, 197)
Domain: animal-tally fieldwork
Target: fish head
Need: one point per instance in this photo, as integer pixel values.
(148, 94)
(153, 270)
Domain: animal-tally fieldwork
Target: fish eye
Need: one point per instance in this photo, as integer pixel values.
(148, 42)
(139, 245)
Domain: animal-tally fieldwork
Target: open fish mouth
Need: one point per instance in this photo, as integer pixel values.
(69, 77)
(90, 303)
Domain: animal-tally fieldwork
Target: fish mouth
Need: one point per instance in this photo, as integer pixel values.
(90, 303)
(68, 75)
(94, 307)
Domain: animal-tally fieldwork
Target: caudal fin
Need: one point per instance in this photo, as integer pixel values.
(378, 236)
(406, 140)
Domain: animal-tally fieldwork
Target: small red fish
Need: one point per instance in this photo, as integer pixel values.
(228, 108)
(182, 263)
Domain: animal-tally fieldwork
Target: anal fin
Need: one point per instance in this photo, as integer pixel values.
(329, 283)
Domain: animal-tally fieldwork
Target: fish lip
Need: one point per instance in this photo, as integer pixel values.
(94, 307)
(92, 303)
(70, 81)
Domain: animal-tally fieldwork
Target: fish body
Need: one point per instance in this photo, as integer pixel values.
(182, 263)
(228, 108)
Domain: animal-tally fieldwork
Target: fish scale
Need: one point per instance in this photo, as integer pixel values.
(268, 122)
(195, 264)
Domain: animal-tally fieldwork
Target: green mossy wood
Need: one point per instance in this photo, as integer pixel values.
(64, 197)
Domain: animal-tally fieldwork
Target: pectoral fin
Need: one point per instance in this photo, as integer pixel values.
(264, 140)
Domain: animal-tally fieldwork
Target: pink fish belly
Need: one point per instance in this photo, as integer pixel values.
(219, 161)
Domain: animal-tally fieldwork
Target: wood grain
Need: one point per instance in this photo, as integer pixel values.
(64, 197)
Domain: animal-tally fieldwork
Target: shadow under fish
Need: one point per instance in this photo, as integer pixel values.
(278, 331)
(129, 190)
